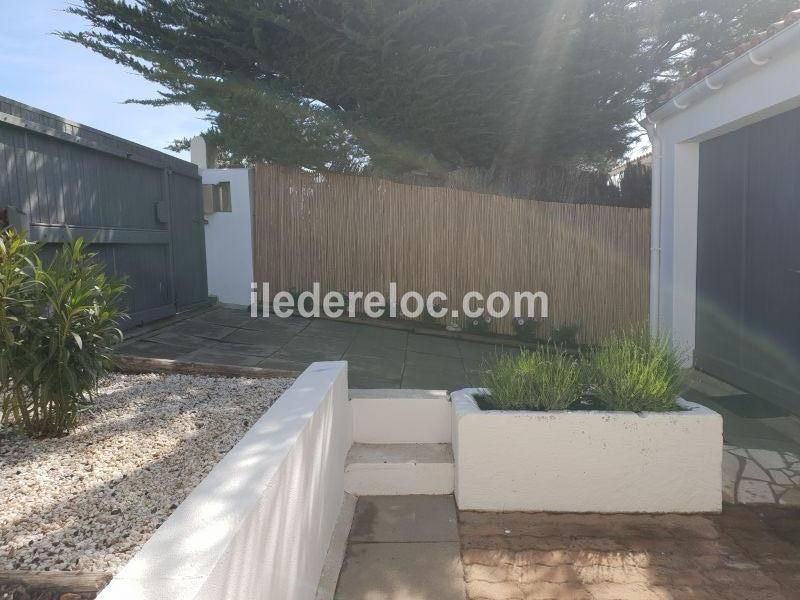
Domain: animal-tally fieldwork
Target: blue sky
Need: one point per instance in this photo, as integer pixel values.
(42, 70)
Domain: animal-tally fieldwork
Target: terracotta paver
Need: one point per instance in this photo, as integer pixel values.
(744, 553)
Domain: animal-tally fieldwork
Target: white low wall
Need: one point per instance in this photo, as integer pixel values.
(259, 525)
(229, 240)
(586, 461)
(401, 416)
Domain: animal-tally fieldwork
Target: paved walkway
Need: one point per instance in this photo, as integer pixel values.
(745, 553)
(378, 357)
(407, 548)
(403, 548)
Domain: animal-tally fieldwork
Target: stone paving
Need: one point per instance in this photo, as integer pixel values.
(407, 548)
(744, 553)
(403, 548)
(378, 357)
(757, 476)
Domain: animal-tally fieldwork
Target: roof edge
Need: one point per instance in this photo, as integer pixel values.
(750, 60)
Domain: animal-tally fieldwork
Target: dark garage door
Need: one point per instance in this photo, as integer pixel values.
(748, 264)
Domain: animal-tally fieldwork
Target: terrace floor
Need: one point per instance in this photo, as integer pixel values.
(378, 357)
(415, 547)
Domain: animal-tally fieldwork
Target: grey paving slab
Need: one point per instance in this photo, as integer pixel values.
(260, 338)
(446, 363)
(477, 352)
(261, 350)
(150, 349)
(283, 364)
(364, 346)
(402, 571)
(379, 357)
(305, 340)
(295, 324)
(335, 328)
(307, 355)
(431, 377)
(225, 316)
(405, 519)
(176, 338)
(372, 382)
(375, 365)
(430, 344)
(202, 329)
(222, 358)
(391, 338)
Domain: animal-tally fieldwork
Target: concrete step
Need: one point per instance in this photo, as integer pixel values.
(399, 469)
(401, 416)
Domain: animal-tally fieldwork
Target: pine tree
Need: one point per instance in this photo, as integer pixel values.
(418, 86)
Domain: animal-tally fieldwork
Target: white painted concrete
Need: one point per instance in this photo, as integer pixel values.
(760, 93)
(259, 525)
(401, 416)
(581, 461)
(399, 469)
(337, 549)
(229, 240)
(201, 153)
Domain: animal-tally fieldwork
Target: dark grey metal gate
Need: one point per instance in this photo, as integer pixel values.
(748, 263)
(142, 209)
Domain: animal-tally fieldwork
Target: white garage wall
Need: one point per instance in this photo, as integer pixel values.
(259, 525)
(763, 92)
(229, 240)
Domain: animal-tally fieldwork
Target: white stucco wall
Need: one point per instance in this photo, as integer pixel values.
(229, 240)
(401, 416)
(766, 91)
(259, 525)
(586, 461)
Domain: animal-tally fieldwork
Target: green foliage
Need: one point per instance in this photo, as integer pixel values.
(547, 379)
(565, 335)
(58, 322)
(419, 86)
(634, 372)
(636, 186)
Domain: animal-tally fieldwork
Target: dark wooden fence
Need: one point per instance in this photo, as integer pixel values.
(142, 209)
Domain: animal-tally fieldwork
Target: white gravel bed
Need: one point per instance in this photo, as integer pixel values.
(90, 500)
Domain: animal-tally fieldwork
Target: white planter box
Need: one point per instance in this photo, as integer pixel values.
(586, 461)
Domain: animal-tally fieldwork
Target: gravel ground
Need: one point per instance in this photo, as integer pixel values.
(90, 500)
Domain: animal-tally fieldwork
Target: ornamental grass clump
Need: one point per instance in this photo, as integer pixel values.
(546, 379)
(58, 322)
(637, 372)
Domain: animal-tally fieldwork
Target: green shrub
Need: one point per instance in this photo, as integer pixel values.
(546, 379)
(634, 372)
(58, 322)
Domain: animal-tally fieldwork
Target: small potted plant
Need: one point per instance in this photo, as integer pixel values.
(479, 325)
(527, 328)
